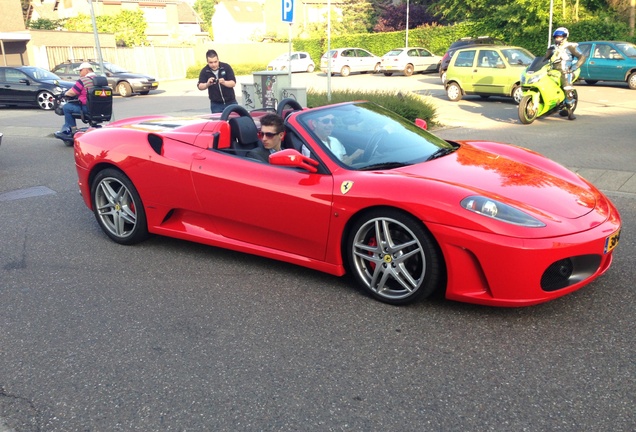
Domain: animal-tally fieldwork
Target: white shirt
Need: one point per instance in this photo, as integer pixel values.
(336, 147)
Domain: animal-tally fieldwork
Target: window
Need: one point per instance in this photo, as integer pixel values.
(465, 59)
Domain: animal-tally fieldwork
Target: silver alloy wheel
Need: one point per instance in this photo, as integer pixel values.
(345, 71)
(124, 89)
(389, 259)
(46, 100)
(454, 92)
(115, 207)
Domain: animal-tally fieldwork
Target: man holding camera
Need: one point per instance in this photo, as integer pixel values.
(218, 78)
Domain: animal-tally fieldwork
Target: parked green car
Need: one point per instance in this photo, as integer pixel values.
(609, 61)
(487, 70)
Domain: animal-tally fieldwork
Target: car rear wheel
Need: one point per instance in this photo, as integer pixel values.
(454, 92)
(631, 81)
(46, 100)
(517, 94)
(394, 257)
(124, 89)
(345, 71)
(310, 68)
(408, 70)
(118, 207)
(388, 73)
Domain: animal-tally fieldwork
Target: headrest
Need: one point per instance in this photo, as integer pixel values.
(244, 129)
(100, 80)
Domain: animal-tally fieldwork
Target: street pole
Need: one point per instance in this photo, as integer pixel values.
(407, 23)
(97, 46)
(328, 50)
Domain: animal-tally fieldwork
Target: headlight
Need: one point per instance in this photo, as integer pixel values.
(534, 79)
(58, 90)
(499, 211)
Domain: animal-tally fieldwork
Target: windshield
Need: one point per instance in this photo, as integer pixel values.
(628, 48)
(113, 68)
(518, 56)
(380, 138)
(40, 74)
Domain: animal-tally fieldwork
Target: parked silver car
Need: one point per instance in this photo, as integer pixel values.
(409, 60)
(300, 62)
(347, 60)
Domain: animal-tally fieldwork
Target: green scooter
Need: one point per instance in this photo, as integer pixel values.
(542, 93)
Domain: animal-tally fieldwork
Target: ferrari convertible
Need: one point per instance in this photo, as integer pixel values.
(406, 213)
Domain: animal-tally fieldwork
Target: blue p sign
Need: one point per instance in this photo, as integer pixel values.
(288, 10)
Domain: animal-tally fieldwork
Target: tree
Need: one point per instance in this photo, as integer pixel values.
(205, 9)
(393, 18)
(358, 16)
(129, 27)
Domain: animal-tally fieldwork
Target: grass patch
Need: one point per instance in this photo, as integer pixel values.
(408, 105)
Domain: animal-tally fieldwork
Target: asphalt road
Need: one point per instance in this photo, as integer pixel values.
(175, 336)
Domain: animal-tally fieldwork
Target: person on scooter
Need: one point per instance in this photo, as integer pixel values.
(80, 89)
(562, 55)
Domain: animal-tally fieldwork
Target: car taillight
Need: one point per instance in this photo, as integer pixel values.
(335, 54)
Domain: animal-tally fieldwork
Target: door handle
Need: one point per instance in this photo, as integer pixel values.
(198, 156)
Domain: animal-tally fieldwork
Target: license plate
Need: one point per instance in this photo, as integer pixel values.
(155, 84)
(611, 241)
(387, 67)
(270, 68)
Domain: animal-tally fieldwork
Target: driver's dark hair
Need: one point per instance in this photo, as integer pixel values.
(275, 120)
(211, 54)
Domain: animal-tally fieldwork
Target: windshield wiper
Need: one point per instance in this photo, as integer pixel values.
(384, 165)
(441, 152)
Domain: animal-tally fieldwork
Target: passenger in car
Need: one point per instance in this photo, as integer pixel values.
(323, 127)
(271, 135)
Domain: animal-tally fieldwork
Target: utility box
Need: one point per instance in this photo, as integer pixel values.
(268, 86)
(297, 93)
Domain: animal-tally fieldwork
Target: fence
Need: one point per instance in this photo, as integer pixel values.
(163, 63)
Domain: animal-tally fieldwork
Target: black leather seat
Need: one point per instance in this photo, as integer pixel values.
(244, 135)
(99, 103)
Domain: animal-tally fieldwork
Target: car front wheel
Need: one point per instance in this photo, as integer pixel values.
(517, 94)
(394, 257)
(454, 92)
(46, 100)
(118, 208)
(310, 68)
(124, 89)
(345, 71)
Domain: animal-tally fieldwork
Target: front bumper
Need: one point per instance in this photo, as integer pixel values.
(495, 270)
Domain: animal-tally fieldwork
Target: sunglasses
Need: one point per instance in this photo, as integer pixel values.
(327, 121)
(267, 134)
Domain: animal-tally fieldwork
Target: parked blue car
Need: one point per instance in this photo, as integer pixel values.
(609, 61)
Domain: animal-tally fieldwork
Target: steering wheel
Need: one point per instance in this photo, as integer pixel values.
(293, 103)
(234, 108)
(372, 145)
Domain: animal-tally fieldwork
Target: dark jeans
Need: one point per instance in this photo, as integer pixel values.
(218, 107)
(69, 109)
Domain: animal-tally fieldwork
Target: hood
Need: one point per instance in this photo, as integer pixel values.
(512, 175)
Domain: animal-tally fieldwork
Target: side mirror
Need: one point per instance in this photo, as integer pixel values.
(293, 158)
(421, 123)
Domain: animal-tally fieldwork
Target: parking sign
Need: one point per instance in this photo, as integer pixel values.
(288, 10)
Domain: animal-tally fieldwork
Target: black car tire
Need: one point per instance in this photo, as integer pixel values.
(144, 92)
(631, 81)
(118, 208)
(388, 73)
(408, 70)
(124, 89)
(394, 257)
(590, 82)
(345, 71)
